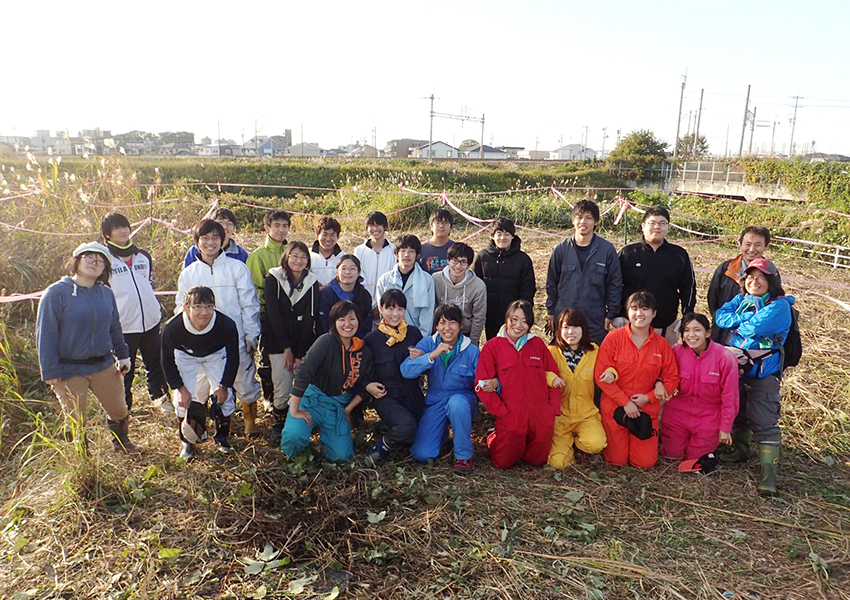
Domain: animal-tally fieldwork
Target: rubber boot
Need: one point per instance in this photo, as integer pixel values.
(279, 422)
(222, 431)
(249, 415)
(741, 444)
(122, 443)
(187, 450)
(769, 459)
(379, 453)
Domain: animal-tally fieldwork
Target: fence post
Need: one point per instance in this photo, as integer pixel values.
(837, 256)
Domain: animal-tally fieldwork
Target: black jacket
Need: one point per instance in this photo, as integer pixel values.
(667, 273)
(508, 275)
(175, 336)
(387, 368)
(287, 325)
(333, 369)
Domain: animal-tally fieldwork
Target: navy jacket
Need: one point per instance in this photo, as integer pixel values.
(387, 363)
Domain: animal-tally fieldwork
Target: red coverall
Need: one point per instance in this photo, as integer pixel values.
(525, 408)
(637, 372)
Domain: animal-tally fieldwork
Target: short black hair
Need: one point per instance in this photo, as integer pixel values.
(225, 213)
(503, 224)
(325, 223)
(587, 206)
(394, 297)
(460, 250)
(205, 226)
(112, 221)
(756, 230)
(200, 294)
(692, 316)
(407, 240)
(655, 211)
(352, 258)
(284, 258)
(376, 217)
(277, 214)
(525, 307)
(642, 299)
(338, 311)
(449, 312)
(441, 214)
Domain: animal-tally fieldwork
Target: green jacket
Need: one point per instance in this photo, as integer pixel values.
(259, 263)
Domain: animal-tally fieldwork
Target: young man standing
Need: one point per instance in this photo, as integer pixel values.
(434, 257)
(726, 281)
(228, 222)
(416, 284)
(507, 273)
(376, 256)
(584, 272)
(276, 223)
(457, 285)
(138, 308)
(200, 352)
(237, 298)
(661, 268)
(325, 252)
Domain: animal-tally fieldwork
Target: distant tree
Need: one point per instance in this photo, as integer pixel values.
(640, 149)
(689, 150)
(466, 144)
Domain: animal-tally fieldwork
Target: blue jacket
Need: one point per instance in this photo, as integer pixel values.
(233, 250)
(77, 323)
(443, 382)
(757, 327)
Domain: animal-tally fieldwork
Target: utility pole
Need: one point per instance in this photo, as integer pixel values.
(752, 129)
(678, 121)
(375, 140)
(726, 152)
(690, 116)
(584, 149)
(219, 137)
(793, 125)
(744, 126)
(431, 131)
(772, 136)
(618, 136)
(699, 116)
(604, 137)
(481, 148)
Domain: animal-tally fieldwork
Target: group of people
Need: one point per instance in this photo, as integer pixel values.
(333, 332)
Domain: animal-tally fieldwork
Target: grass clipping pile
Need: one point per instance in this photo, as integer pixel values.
(79, 521)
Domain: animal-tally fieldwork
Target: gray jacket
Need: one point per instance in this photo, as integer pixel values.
(596, 289)
(470, 295)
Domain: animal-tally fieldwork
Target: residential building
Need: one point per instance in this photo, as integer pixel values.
(304, 149)
(572, 152)
(436, 150)
(490, 153)
(403, 148)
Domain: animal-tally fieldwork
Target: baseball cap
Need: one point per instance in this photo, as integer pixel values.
(704, 464)
(194, 425)
(640, 427)
(93, 247)
(763, 265)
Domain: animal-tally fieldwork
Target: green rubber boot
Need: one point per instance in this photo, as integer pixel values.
(769, 459)
(741, 444)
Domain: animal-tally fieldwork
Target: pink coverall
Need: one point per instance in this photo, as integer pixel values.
(706, 404)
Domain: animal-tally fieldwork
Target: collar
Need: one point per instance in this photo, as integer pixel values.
(273, 245)
(369, 243)
(318, 249)
(191, 328)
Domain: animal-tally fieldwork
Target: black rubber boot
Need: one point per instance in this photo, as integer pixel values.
(222, 431)
(122, 442)
(187, 450)
(279, 422)
(741, 443)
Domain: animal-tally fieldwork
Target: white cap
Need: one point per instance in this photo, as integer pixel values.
(93, 247)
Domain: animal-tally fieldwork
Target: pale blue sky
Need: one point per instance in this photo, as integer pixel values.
(537, 70)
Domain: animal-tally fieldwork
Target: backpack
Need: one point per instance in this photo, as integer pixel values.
(792, 349)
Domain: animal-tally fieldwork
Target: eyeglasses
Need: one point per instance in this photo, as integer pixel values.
(95, 259)
(761, 278)
(202, 307)
(459, 262)
(657, 224)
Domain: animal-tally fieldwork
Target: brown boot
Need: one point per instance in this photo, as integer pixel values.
(121, 442)
(249, 416)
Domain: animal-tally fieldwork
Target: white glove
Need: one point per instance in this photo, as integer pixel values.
(123, 365)
(250, 344)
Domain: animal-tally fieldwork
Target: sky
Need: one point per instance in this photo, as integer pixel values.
(543, 73)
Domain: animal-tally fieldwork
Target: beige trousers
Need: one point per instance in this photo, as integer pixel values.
(107, 386)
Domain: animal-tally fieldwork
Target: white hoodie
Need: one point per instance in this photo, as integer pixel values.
(234, 290)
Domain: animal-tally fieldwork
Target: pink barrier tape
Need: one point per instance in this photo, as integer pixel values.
(16, 196)
(840, 303)
(558, 194)
(18, 228)
(476, 232)
(466, 216)
(624, 206)
(37, 295)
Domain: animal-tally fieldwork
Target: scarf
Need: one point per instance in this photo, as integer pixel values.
(448, 356)
(753, 303)
(519, 343)
(573, 357)
(394, 336)
(122, 251)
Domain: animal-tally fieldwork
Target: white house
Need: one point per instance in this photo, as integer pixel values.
(436, 150)
(489, 153)
(572, 152)
(303, 149)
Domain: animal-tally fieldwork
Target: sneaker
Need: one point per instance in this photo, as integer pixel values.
(163, 403)
(379, 453)
(463, 467)
(222, 444)
(187, 451)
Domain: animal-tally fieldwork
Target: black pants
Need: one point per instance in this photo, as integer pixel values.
(264, 367)
(148, 343)
(759, 409)
(401, 423)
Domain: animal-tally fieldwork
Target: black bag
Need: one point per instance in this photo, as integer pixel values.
(792, 349)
